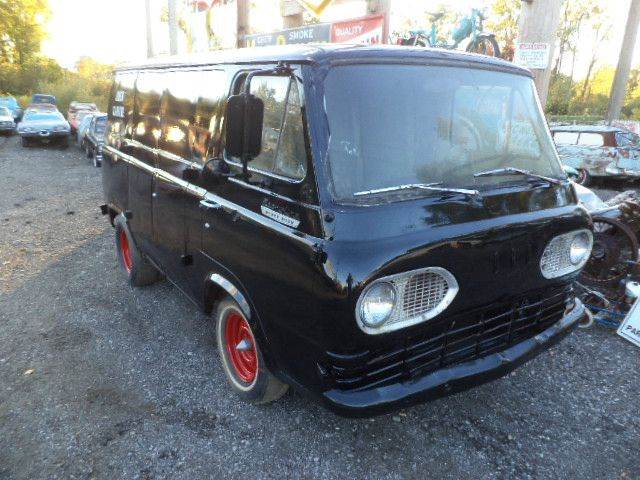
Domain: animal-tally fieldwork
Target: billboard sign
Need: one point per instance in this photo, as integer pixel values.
(317, 33)
(367, 30)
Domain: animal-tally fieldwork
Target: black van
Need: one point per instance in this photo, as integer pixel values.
(376, 226)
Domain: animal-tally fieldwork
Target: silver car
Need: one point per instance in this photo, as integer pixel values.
(598, 151)
(7, 124)
(44, 127)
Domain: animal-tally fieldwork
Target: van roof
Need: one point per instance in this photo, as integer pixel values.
(328, 52)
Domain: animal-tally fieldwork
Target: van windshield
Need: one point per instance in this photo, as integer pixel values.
(394, 125)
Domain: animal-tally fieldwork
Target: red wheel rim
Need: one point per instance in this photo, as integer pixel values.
(241, 347)
(126, 251)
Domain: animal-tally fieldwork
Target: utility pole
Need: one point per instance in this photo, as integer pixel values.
(173, 28)
(147, 11)
(291, 12)
(619, 87)
(539, 20)
(242, 24)
(381, 7)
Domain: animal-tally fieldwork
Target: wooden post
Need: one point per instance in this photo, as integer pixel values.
(173, 28)
(539, 20)
(381, 7)
(242, 24)
(619, 87)
(291, 12)
(147, 11)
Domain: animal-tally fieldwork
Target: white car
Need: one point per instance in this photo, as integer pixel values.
(7, 124)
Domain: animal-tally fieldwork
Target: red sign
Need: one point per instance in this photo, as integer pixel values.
(368, 30)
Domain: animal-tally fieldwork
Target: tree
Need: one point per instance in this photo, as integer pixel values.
(503, 21)
(21, 29)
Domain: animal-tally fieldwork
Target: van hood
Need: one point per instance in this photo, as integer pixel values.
(492, 246)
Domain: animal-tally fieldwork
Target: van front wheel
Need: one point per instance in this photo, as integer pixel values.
(139, 271)
(242, 359)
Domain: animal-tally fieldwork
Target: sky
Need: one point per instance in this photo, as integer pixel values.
(113, 31)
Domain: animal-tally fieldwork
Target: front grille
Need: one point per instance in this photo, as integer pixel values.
(422, 293)
(450, 341)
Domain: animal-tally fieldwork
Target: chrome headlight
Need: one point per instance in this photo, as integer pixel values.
(377, 304)
(566, 253)
(399, 301)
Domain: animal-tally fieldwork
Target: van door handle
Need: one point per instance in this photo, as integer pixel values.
(210, 205)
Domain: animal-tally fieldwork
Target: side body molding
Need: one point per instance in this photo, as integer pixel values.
(232, 290)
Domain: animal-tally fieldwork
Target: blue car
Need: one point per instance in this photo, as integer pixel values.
(13, 106)
(43, 98)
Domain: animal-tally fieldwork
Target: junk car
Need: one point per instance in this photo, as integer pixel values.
(598, 151)
(7, 123)
(77, 111)
(43, 127)
(14, 107)
(94, 138)
(375, 226)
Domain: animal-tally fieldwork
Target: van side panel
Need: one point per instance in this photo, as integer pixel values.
(115, 171)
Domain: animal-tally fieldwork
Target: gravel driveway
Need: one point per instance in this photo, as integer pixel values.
(102, 381)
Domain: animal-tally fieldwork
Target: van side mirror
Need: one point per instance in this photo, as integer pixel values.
(244, 116)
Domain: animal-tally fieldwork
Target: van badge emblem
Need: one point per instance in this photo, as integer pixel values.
(279, 217)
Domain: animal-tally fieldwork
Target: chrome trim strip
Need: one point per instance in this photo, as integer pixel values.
(292, 181)
(163, 153)
(232, 290)
(204, 194)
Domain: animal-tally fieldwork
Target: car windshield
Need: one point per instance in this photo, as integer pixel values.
(4, 112)
(39, 117)
(393, 125)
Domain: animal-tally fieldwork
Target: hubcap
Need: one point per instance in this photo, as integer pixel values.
(126, 251)
(241, 347)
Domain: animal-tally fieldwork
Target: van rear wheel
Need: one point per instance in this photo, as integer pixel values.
(241, 357)
(139, 271)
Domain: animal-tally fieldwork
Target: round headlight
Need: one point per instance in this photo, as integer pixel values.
(580, 248)
(377, 304)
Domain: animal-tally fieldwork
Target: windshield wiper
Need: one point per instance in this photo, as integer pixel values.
(516, 171)
(421, 186)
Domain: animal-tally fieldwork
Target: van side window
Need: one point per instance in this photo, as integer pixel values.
(149, 88)
(178, 108)
(212, 88)
(283, 146)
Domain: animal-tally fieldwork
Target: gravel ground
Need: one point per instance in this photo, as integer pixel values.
(102, 381)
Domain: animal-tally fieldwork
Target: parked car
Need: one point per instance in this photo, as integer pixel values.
(598, 151)
(12, 104)
(94, 138)
(79, 117)
(43, 98)
(7, 124)
(44, 127)
(76, 111)
(82, 129)
(373, 226)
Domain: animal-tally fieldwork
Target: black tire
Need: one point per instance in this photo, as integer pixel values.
(263, 386)
(485, 45)
(26, 142)
(584, 178)
(139, 271)
(87, 150)
(64, 143)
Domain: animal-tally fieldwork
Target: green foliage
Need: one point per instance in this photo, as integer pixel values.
(21, 29)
